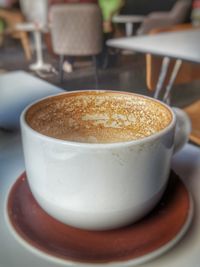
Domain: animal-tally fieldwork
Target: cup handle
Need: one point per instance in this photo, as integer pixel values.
(182, 130)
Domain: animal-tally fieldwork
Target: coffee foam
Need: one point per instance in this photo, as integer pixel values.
(98, 117)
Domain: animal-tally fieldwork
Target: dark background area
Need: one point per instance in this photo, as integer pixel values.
(144, 7)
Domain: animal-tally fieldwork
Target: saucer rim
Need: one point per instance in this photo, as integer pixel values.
(119, 263)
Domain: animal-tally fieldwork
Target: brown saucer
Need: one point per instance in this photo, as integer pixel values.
(152, 235)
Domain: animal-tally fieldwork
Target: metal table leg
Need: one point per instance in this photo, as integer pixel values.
(162, 76)
(39, 65)
(129, 28)
(173, 76)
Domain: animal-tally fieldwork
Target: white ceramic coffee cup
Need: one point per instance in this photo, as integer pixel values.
(100, 186)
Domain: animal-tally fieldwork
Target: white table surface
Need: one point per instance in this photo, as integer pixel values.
(183, 45)
(18, 89)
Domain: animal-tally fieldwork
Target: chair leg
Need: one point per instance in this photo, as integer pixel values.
(61, 68)
(94, 59)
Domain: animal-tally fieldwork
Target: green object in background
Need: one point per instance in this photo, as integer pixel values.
(2, 26)
(109, 8)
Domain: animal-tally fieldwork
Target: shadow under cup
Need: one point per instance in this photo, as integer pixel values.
(97, 159)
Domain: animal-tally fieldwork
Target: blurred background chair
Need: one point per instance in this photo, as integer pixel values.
(76, 30)
(141, 16)
(188, 72)
(11, 19)
(176, 15)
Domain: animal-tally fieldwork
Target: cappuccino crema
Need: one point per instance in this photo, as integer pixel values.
(98, 117)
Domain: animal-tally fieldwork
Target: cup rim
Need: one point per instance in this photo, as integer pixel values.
(23, 123)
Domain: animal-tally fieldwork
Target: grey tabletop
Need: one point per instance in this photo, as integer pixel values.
(17, 90)
(183, 45)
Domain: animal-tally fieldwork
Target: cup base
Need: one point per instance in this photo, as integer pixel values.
(128, 246)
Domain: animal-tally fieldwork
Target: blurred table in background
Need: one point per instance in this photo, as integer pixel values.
(18, 89)
(37, 30)
(182, 45)
(129, 21)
